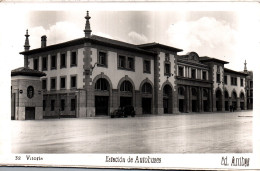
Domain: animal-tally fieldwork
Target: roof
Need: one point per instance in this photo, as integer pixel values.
(209, 59)
(235, 72)
(93, 39)
(158, 45)
(27, 72)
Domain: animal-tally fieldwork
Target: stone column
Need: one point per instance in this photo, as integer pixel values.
(238, 104)
(200, 99)
(114, 102)
(223, 101)
(175, 101)
(187, 99)
(138, 102)
(90, 97)
(82, 103)
(190, 100)
(210, 108)
(229, 103)
(214, 101)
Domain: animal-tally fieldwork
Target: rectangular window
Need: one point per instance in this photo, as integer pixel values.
(181, 71)
(251, 84)
(130, 63)
(167, 69)
(73, 59)
(225, 79)
(233, 81)
(53, 83)
(147, 66)
(72, 104)
(102, 59)
(53, 62)
(44, 84)
(241, 82)
(193, 73)
(204, 75)
(218, 78)
(43, 105)
(121, 62)
(63, 60)
(63, 82)
(52, 105)
(73, 81)
(62, 104)
(35, 64)
(44, 63)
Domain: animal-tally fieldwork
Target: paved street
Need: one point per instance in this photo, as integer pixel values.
(185, 133)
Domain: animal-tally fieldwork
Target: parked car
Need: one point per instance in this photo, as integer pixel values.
(123, 112)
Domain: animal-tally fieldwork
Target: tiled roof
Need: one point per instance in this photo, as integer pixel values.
(158, 45)
(93, 39)
(117, 43)
(206, 58)
(236, 72)
(27, 72)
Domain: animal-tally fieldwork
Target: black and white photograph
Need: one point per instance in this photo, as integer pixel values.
(130, 86)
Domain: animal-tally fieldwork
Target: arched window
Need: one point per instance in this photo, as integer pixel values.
(194, 92)
(181, 91)
(234, 95)
(242, 96)
(102, 85)
(226, 95)
(205, 93)
(218, 94)
(126, 86)
(147, 88)
(167, 90)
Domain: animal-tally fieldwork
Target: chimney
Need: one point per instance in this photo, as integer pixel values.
(44, 41)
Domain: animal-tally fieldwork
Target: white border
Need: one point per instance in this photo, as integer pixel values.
(177, 161)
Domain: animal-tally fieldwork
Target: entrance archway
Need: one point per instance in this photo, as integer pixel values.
(218, 100)
(226, 101)
(234, 100)
(205, 100)
(194, 104)
(102, 94)
(167, 99)
(126, 93)
(181, 93)
(147, 98)
(242, 101)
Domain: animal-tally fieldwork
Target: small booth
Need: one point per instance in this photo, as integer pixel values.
(26, 91)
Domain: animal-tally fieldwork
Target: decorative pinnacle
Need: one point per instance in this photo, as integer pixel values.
(87, 26)
(245, 68)
(26, 44)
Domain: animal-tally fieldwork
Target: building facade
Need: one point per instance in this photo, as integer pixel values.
(93, 76)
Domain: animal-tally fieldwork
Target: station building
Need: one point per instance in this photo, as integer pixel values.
(93, 76)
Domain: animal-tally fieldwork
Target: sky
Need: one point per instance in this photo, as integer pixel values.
(228, 34)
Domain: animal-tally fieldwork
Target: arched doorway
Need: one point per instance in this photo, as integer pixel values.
(167, 99)
(181, 92)
(194, 103)
(234, 100)
(219, 100)
(126, 93)
(147, 98)
(102, 96)
(226, 101)
(205, 100)
(242, 101)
